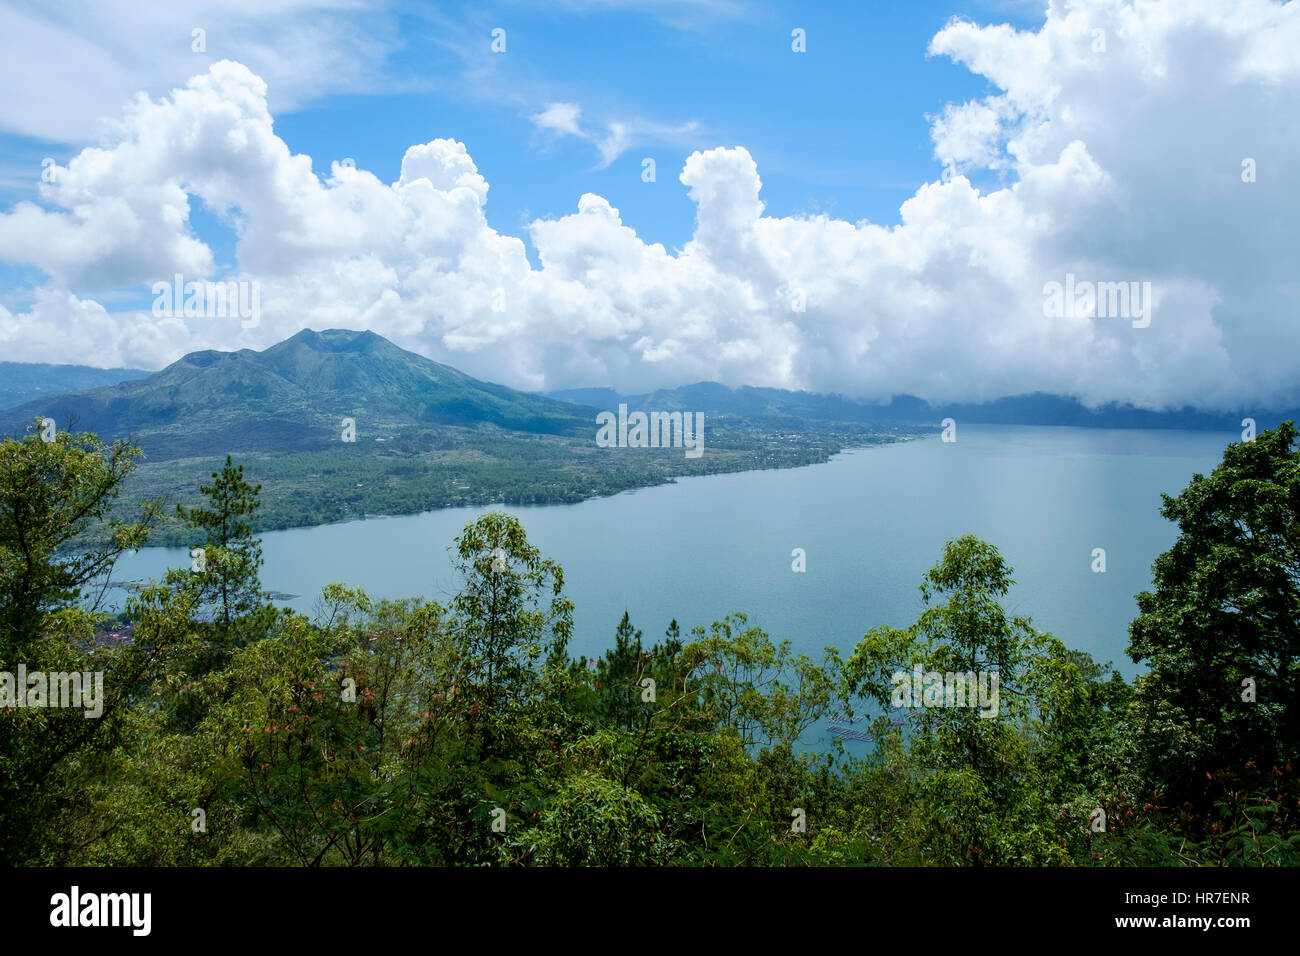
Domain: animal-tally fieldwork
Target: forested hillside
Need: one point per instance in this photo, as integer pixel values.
(339, 424)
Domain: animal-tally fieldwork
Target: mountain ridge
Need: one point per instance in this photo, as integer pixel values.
(294, 396)
(1036, 408)
(22, 382)
(301, 388)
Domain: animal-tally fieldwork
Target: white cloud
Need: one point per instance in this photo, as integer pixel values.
(968, 136)
(618, 135)
(560, 118)
(76, 63)
(1122, 165)
(60, 327)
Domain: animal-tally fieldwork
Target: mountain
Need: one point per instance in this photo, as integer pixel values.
(1034, 409)
(294, 396)
(23, 381)
(426, 436)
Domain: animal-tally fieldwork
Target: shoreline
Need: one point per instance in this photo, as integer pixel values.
(881, 440)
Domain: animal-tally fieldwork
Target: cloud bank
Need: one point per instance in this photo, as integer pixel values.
(1121, 142)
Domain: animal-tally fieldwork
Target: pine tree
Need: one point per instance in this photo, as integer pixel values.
(229, 559)
(618, 673)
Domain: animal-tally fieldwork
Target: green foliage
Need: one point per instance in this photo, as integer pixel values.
(230, 555)
(510, 618)
(49, 756)
(50, 493)
(593, 821)
(1224, 616)
(757, 689)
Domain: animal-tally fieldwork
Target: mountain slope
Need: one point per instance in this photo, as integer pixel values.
(426, 436)
(293, 397)
(23, 381)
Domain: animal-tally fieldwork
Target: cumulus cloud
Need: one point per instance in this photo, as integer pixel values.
(60, 327)
(1120, 161)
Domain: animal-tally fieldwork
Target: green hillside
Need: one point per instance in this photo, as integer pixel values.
(426, 436)
(293, 397)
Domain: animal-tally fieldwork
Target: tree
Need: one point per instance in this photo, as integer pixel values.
(333, 734)
(228, 561)
(58, 535)
(53, 495)
(504, 624)
(970, 767)
(963, 630)
(593, 821)
(617, 677)
(759, 689)
(1221, 629)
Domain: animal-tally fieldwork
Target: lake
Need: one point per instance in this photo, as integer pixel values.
(871, 522)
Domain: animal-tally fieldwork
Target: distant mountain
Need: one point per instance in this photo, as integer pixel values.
(426, 436)
(747, 402)
(293, 397)
(1035, 409)
(1044, 409)
(23, 381)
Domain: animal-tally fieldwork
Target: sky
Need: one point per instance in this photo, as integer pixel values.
(865, 198)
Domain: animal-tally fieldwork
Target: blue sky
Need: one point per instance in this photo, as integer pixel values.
(840, 129)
